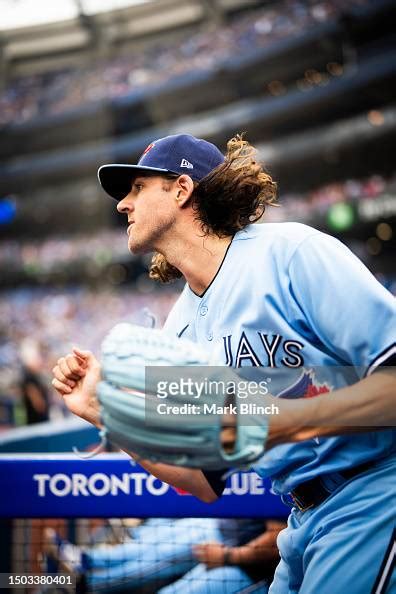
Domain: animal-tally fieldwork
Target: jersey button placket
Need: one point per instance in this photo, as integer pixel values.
(203, 310)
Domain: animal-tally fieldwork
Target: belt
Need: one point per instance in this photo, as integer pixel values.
(313, 492)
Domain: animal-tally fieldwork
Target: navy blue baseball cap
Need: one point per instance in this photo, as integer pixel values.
(178, 154)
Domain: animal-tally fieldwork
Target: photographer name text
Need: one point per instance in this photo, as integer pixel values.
(244, 408)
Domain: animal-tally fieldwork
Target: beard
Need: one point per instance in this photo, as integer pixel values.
(145, 240)
(138, 245)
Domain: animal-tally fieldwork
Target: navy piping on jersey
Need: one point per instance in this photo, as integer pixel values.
(387, 565)
(386, 358)
(183, 331)
(218, 270)
(215, 480)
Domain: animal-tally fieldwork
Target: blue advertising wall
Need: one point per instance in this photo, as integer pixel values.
(110, 485)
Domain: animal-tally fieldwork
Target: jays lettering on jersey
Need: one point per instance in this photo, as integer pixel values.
(290, 297)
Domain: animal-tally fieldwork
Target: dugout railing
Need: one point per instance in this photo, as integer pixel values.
(87, 508)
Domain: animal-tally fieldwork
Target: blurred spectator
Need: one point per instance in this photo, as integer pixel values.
(61, 91)
(218, 555)
(59, 319)
(55, 254)
(32, 384)
(244, 557)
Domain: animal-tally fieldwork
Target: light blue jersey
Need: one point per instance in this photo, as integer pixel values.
(290, 297)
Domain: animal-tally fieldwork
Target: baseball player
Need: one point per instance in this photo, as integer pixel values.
(284, 296)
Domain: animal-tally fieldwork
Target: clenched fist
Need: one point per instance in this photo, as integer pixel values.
(75, 378)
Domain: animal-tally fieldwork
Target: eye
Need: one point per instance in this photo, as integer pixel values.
(137, 187)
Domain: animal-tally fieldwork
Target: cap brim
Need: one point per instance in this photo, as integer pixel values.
(116, 179)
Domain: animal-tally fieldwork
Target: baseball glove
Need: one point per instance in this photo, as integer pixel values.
(134, 361)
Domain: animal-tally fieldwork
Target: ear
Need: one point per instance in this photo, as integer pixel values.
(184, 187)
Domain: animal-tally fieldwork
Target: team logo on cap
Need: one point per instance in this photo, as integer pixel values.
(148, 148)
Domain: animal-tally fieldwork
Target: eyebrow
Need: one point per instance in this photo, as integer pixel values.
(137, 181)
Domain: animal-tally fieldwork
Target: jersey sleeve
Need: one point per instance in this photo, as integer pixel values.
(343, 304)
(215, 480)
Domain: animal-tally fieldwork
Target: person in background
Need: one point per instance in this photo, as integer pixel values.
(34, 391)
(242, 560)
(208, 556)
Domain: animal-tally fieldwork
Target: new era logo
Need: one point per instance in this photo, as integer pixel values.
(187, 164)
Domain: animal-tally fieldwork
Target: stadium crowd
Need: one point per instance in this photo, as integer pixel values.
(51, 254)
(61, 91)
(315, 203)
(46, 256)
(55, 320)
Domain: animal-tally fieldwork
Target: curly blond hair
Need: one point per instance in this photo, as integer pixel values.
(231, 197)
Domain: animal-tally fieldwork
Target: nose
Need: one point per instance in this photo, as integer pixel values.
(125, 205)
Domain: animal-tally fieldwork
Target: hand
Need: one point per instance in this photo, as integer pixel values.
(212, 554)
(75, 378)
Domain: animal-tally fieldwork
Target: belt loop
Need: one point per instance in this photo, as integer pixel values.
(300, 504)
